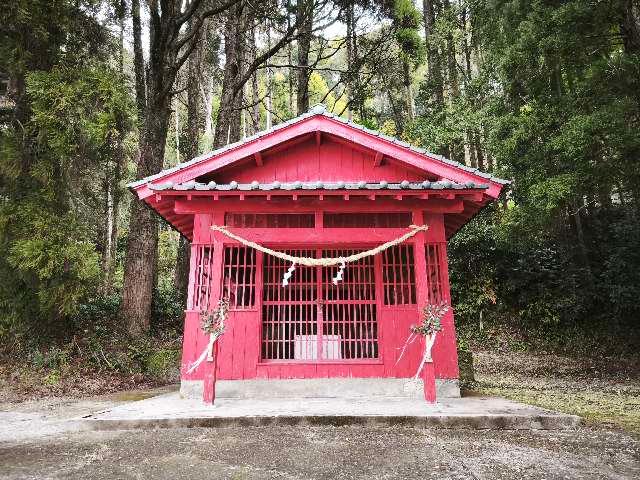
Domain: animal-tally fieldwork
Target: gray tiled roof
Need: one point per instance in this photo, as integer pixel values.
(317, 110)
(319, 185)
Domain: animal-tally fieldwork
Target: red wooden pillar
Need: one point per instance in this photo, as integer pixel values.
(422, 297)
(210, 367)
(210, 374)
(429, 379)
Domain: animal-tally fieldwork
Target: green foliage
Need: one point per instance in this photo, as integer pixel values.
(56, 152)
(319, 93)
(504, 279)
(168, 310)
(77, 113)
(62, 268)
(554, 101)
(406, 22)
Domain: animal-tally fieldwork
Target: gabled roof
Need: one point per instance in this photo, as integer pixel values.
(442, 178)
(319, 120)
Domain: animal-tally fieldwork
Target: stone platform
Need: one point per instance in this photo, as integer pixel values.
(173, 410)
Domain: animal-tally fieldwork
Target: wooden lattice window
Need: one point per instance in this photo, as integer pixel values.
(313, 320)
(239, 277)
(367, 220)
(270, 220)
(399, 276)
(203, 263)
(289, 314)
(349, 321)
(435, 258)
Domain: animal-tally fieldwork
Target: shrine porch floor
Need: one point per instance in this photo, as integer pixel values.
(171, 411)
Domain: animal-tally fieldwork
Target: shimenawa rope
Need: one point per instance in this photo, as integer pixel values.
(322, 262)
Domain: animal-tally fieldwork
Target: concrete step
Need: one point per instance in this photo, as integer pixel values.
(322, 388)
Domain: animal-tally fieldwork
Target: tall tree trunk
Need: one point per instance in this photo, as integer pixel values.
(208, 107)
(269, 105)
(457, 146)
(304, 13)
(114, 177)
(397, 114)
(176, 130)
(434, 66)
(630, 27)
(170, 45)
(142, 242)
(350, 66)
(471, 154)
(116, 197)
(194, 125)
(434, 69)
(209, 66)
(480, 157)
(406, 80)
(229, 125)
(255, 94)
(292, 74)
(582, 245)
(138, 62)
(452, 64)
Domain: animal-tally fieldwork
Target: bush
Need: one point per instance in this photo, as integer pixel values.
(518, 290)
(168, 311)
(163, 364)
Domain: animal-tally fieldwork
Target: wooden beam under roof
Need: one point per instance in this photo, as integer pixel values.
(355, 205)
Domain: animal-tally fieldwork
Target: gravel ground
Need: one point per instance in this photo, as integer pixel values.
(323, 453)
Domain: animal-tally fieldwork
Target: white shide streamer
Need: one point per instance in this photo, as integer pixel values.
(426, 356)
(207, 353)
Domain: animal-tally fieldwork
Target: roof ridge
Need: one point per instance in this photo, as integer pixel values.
(320, 185)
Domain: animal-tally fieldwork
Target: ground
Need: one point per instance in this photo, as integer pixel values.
(324, 453)
(36, 443)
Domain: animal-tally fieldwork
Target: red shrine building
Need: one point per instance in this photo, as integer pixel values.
(318, 186)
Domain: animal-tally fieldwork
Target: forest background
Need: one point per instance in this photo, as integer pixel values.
(97, 93)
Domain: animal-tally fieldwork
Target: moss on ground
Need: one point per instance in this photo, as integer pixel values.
(621, 410)
(575, 386)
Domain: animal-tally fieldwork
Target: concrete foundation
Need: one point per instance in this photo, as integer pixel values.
(321, 388)
(171, 410)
